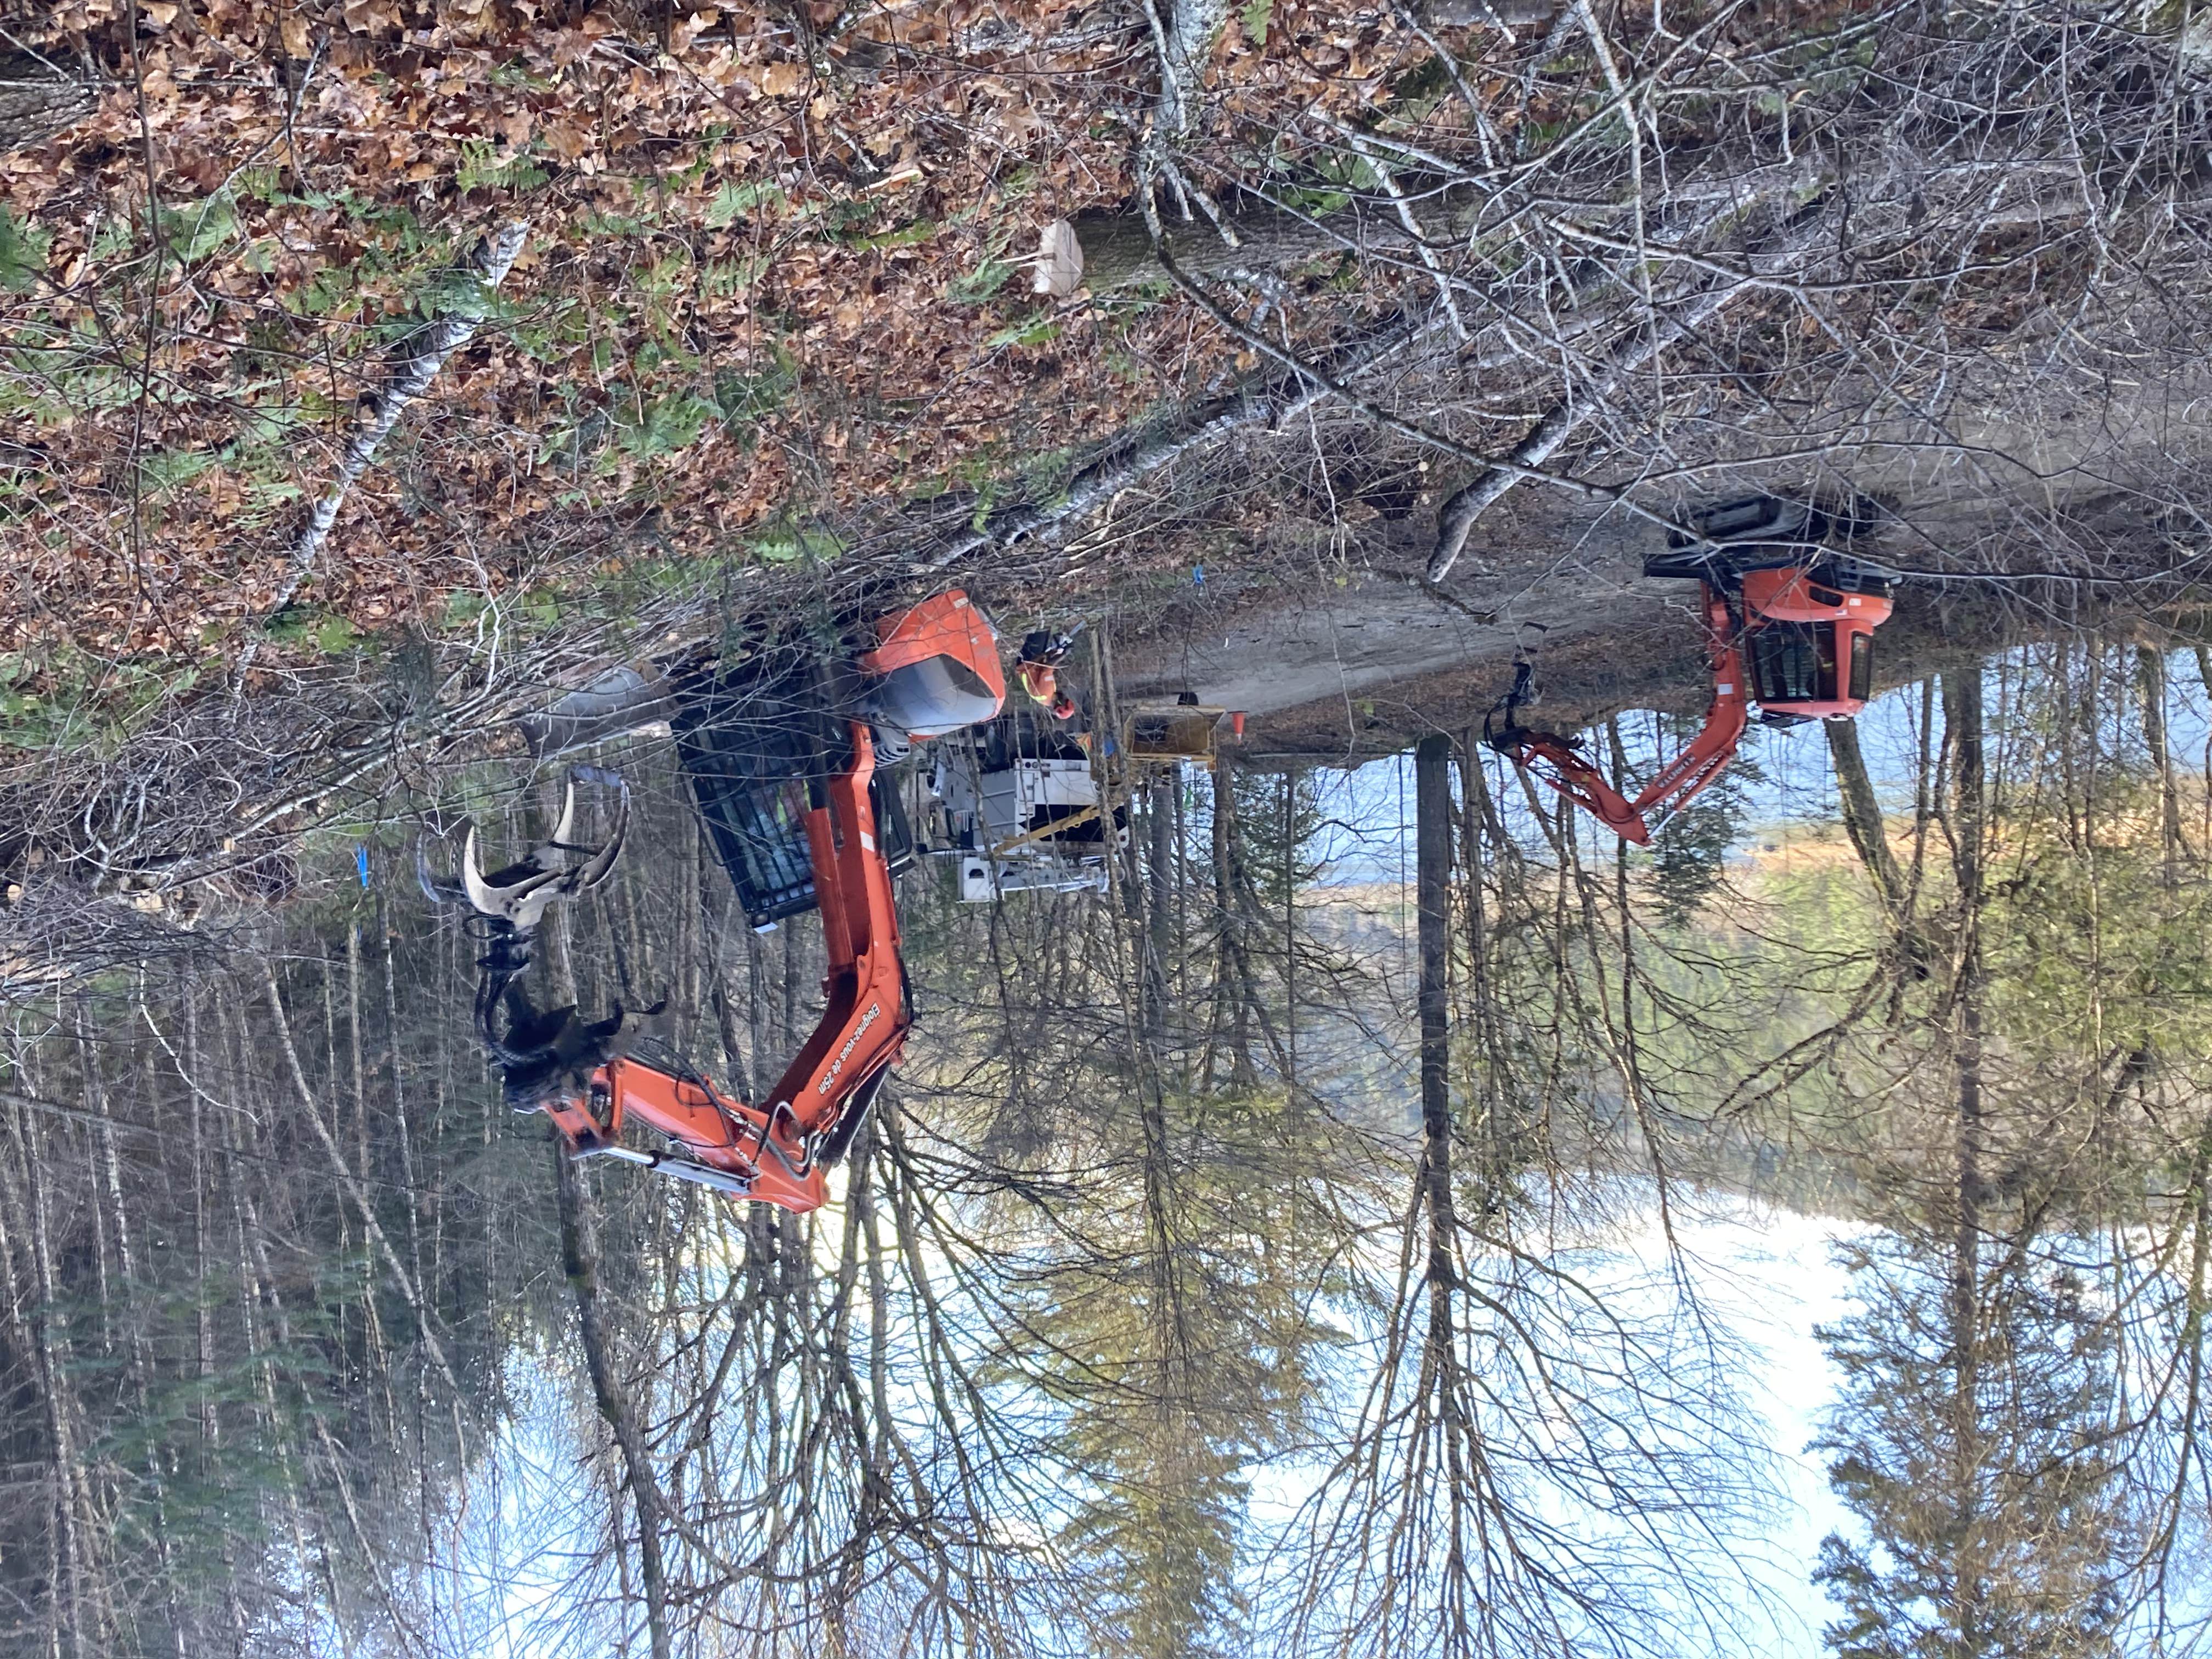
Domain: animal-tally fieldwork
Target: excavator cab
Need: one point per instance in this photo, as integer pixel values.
(757, 740)
(1809, 637)
(1790, 620)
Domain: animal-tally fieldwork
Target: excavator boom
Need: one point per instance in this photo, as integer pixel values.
(1559, 761)
(1772, 598)
(1680, 781)
(779, 1152)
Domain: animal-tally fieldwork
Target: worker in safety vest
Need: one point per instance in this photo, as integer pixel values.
(1038, 666)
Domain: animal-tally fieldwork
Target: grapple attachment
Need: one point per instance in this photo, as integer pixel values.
(538, 1051)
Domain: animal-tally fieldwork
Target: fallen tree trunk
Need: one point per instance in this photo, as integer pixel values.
(1455, 521)
(1267, 404)
(1108, 249)
(415, 364)
(424, 354)
(1115, 249)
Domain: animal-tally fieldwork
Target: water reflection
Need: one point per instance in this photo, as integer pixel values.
(1156, 1317)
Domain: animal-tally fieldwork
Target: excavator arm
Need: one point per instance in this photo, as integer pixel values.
(778, 1152)
(934, 669)
(1559, 761)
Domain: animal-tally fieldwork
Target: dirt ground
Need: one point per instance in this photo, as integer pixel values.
(1357, 658)
(1352, 671)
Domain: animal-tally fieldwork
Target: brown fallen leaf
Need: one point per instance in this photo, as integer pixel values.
(371, 16)
(906, 173)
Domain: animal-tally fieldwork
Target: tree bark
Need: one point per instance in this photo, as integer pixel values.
(1184, 35)
(1962, 716)
(580, 1250)
(1224, 920)
(1159, 815)
(1864, 822)
(1117, 248)
(1432, 889)
(1862, 816)
(37, 100)
(2150, 665)
(1464, 14)
(67, 1570)
(350, 1181)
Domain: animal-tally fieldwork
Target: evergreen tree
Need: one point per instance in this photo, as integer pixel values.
(1981, 1457)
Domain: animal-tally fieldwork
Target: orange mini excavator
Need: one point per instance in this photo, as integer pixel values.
(1790, 625)
(934, 668)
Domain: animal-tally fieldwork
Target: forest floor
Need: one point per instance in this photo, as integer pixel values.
(769, 357)
(771, 281)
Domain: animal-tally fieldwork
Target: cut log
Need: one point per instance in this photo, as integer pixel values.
(1114, 249)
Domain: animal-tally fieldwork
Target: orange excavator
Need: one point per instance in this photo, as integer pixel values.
(933, 669)
(1788, 625)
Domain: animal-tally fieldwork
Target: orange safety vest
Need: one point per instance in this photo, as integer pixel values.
(1041, 680)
